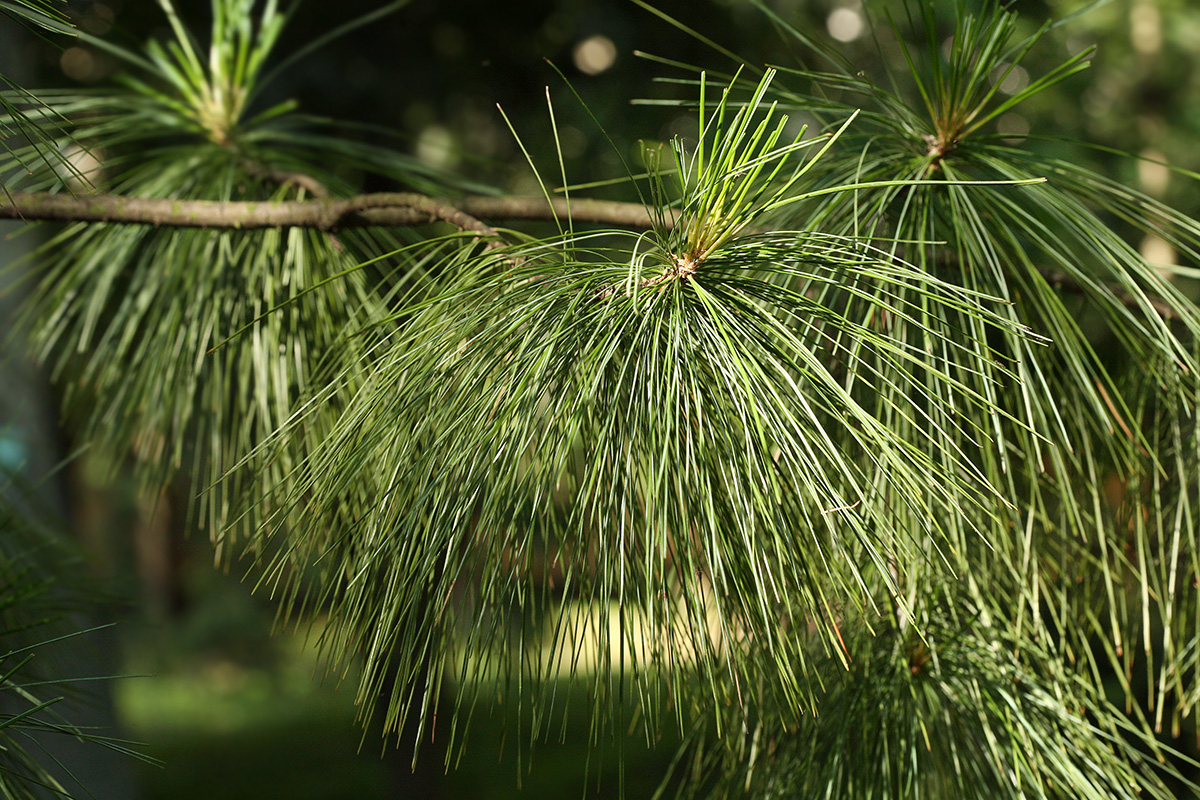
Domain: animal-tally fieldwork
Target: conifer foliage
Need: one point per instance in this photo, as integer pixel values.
(867, 456)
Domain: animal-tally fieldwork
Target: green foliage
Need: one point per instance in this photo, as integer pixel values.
(659, 420)
(967, 711)
(1085, 417)
(877, 446)
(1096, 451)
(16, 119)
(44, 14)
(183, 128)
(37, 595)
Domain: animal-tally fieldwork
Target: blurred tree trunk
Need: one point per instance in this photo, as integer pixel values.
(30, 451)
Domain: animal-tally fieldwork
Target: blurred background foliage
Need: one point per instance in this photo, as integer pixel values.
(230, 704)
(434, 72)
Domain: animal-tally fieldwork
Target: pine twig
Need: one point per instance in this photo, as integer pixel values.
(368, 210)
(384, 209)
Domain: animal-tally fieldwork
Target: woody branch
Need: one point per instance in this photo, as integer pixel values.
(385, 209)
(369, 210)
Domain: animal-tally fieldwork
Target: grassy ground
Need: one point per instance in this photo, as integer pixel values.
(237, 736)
(236, 714)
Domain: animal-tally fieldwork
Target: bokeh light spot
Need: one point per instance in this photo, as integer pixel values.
(1015, 81)
(844, 24)
(436, 146)
(79, 64)
(595, 54)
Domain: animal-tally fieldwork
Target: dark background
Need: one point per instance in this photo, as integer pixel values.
(433, 72)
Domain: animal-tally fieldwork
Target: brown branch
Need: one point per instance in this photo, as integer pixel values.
(368, 210)
(390, 209)
(298, 179)
(604, 212)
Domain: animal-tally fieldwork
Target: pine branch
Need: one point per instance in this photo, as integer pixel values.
(385, 209)
(368, 210)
